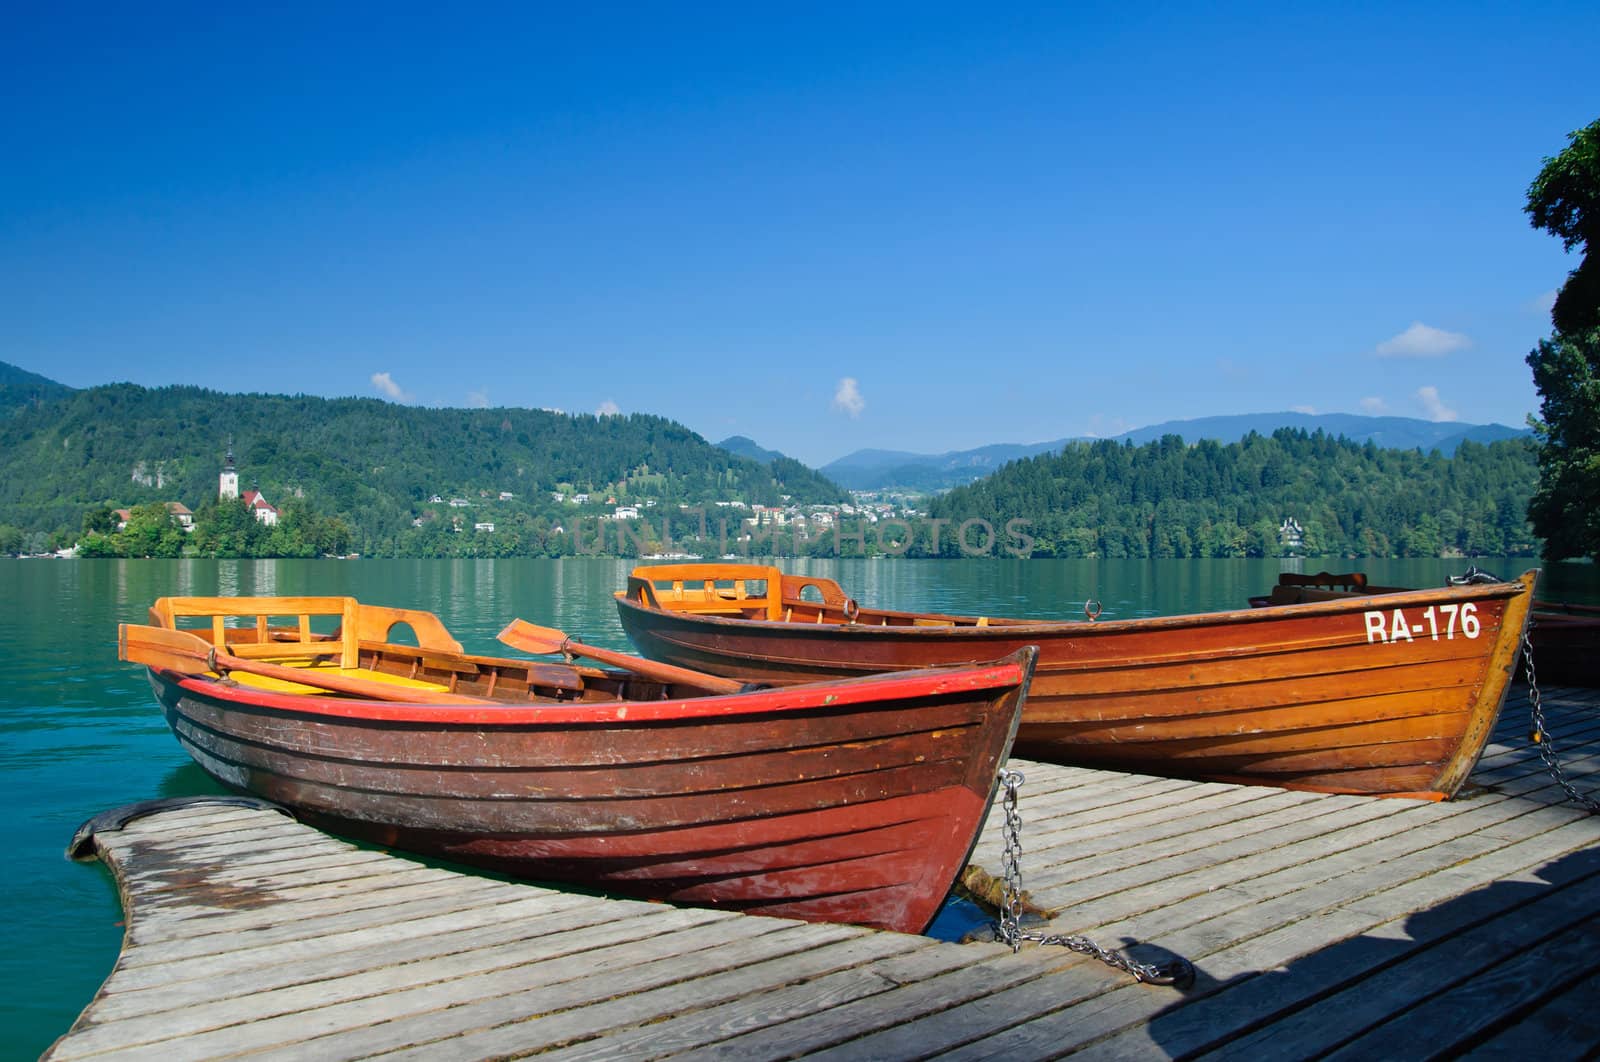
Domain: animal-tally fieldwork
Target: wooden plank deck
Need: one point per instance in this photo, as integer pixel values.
(1320, 926)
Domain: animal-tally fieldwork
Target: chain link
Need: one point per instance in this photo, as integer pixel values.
(1010, 926)
(1541, 736)
(1179, 972)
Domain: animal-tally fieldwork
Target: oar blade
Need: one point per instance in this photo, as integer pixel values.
(531, 638)
(163, 649)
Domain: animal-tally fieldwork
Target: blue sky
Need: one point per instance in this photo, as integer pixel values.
(915, 227)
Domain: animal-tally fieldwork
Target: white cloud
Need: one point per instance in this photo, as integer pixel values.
(1542, 304)
(1436, 409)
(1309, 411)
(385, 385)
(1104, 427)
(1374, 405)
(608, 408)
(1422, 341)
(478, 399)
(847, 397)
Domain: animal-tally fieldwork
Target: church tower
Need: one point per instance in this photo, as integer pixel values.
(228, 482)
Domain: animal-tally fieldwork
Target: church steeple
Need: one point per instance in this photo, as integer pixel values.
(228, 482)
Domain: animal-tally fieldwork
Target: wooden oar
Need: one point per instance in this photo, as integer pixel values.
(520, 634)
(189, 654)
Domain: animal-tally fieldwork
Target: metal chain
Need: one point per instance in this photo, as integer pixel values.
(1009, 929)
(1541, 736)
(1179, 972)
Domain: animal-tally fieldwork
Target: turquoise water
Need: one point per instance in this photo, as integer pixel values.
(79, 731)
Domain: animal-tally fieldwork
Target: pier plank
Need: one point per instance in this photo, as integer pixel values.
(1565, 1026)
(1401, 960)
(662, 1018)
(1447, 1023)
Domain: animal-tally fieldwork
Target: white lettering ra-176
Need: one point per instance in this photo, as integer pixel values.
(1434, 622)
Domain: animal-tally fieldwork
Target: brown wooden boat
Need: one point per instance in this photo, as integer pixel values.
(1393, 695)
(1565, 637)
(1566, 643)
(853, 801)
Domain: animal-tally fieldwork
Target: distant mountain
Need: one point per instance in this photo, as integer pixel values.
(1390, 433)
(797, 479)
(21, 389)
(744, 446)
(878, 469)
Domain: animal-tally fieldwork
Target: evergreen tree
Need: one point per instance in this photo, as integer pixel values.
(1565, 510)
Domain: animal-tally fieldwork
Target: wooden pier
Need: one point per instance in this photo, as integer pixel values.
(1319, 926)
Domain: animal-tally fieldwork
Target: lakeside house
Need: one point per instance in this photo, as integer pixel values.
(177, 510)
(260, 508)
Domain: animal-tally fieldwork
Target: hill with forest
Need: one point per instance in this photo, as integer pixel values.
(745, 446)
(878, 469)
(390, 472)
(377, 478)
(21, 389)
(1167, 498)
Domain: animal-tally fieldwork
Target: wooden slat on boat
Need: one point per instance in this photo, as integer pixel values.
(1319, 924)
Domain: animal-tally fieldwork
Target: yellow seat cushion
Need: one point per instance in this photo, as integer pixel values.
(277, 685)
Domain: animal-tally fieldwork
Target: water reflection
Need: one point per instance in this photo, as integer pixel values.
(227, 578)
(264, 578)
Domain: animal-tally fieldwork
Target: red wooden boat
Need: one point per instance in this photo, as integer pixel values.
(1393, 695)
(1566, 637)
(853, 801)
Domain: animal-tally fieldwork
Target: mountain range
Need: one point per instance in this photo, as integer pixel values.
(62, 448)
(887, 469)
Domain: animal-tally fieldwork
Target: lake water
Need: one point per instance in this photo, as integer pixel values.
(80, 733)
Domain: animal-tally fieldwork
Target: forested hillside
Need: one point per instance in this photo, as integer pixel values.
(376, 478)
(21, 389)
(373, 464)
(1169, 499)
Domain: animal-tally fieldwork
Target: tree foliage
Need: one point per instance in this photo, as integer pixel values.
(1171, 499)
(1564, 200)
(371, 466)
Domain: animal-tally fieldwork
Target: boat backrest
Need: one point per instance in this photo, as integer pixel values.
(753, 590)
(263, 639)
(1294, 589)
(1352, 582)
(375, 622)
(280, 628)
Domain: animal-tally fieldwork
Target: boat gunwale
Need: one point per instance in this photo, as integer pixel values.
(952, 680)
(1010, 629)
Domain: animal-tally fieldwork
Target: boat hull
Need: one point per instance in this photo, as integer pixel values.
(1361, 695)
(852, 802)
(1566, 644)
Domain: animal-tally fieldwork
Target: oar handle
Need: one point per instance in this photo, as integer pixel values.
(520, 634)
(656, 670)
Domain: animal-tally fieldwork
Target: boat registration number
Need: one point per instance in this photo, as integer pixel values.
(1433, 623)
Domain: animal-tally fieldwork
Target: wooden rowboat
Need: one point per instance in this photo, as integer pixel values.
(1566, 643)
(1565, 637)
(852, 801)
(1386, 695)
